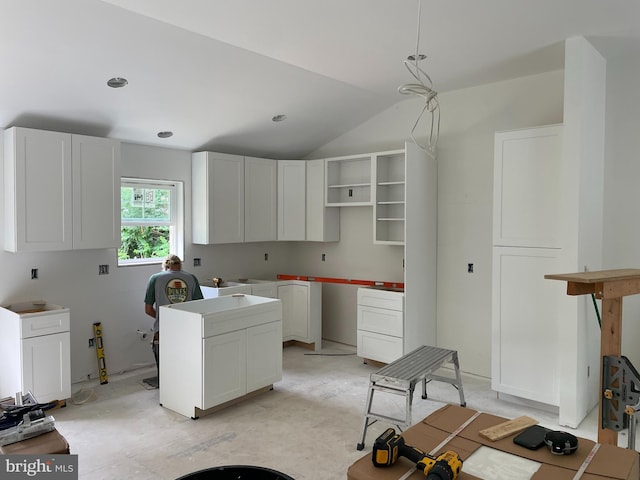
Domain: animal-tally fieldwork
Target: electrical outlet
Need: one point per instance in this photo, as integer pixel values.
(196, 262)
(103, 269)
(469, 267)
(324, 257)
(266, 257)
(34, 273)
(91, 342)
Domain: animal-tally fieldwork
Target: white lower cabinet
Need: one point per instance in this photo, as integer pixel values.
(35, 351)
(241, 362)
(380, 325)
(219, 349)
(267, 289)
(301, 312)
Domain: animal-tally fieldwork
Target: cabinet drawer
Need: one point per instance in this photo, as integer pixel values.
(381, 298)
(382, 348)
(44, 324)
(380, 320)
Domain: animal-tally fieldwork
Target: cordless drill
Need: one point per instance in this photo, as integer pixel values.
(389, 446)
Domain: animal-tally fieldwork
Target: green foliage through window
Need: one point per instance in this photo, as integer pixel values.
(144, 242)
(148, 219)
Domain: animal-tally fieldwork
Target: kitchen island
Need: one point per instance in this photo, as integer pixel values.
(217, 351)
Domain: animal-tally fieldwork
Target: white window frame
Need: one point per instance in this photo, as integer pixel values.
(176, 225)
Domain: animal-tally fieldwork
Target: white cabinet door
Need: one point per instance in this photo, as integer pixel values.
(217, 189)
(46, 367)
(526, 322)
(264, 355)
(323, 223)
(224, 368)
(37, 194)
(291, 199)
(295, 311)
(260, 199)
(527, 191)
(96, 192)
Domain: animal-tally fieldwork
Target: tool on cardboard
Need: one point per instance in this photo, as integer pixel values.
(561, 443)
(24, 419)
(389, 446)
(33, 423)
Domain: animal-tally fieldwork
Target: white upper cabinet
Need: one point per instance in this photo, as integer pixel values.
(527, 187)
(96, 192)
(217, 188)
(291, 199)
(56, 196)
(234, 198)
(260, 199)
(323, 223)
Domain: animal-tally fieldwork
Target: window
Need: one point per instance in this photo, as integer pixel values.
(151, 215)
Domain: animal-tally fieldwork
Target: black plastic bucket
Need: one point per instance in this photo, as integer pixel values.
(236, 472)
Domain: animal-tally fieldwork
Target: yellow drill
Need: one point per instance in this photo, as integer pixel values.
(389, 446)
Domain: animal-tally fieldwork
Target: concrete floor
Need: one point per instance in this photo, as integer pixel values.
(307, 427)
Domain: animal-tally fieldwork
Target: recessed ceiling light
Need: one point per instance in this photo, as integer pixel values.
(165, 134)
(421, 56)
(279, 118)
(117, 82)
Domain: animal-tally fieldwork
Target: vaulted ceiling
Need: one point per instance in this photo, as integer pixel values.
(215, 72)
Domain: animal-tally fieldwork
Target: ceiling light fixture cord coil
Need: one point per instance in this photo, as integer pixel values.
(423, 88)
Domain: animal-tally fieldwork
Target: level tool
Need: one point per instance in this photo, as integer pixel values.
(102, 365)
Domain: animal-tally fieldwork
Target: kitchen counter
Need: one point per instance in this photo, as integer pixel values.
(218, 350)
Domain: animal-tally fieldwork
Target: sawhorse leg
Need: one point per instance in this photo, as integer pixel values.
(360, 446)
(457, 383)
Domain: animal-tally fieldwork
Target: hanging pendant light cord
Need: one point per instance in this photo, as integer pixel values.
(424, 90)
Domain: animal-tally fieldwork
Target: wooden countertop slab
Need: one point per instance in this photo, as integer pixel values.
(603, 283)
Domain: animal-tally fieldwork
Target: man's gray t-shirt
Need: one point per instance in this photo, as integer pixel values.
(171, 286)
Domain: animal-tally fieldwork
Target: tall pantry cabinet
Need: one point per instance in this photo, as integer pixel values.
(526, 246)
(401, 186)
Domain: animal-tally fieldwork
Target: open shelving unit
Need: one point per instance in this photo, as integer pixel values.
(349, 181)
(390, 197)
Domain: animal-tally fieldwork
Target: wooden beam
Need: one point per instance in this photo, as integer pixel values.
(610, 344)
(575, 288)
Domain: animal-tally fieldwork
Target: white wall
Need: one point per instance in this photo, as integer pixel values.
(622, 192)
(470, 118)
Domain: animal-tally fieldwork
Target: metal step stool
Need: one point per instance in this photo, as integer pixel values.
(400, 378)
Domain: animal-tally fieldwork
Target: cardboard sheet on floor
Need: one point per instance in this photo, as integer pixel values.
(608, 463)
(47, 443)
